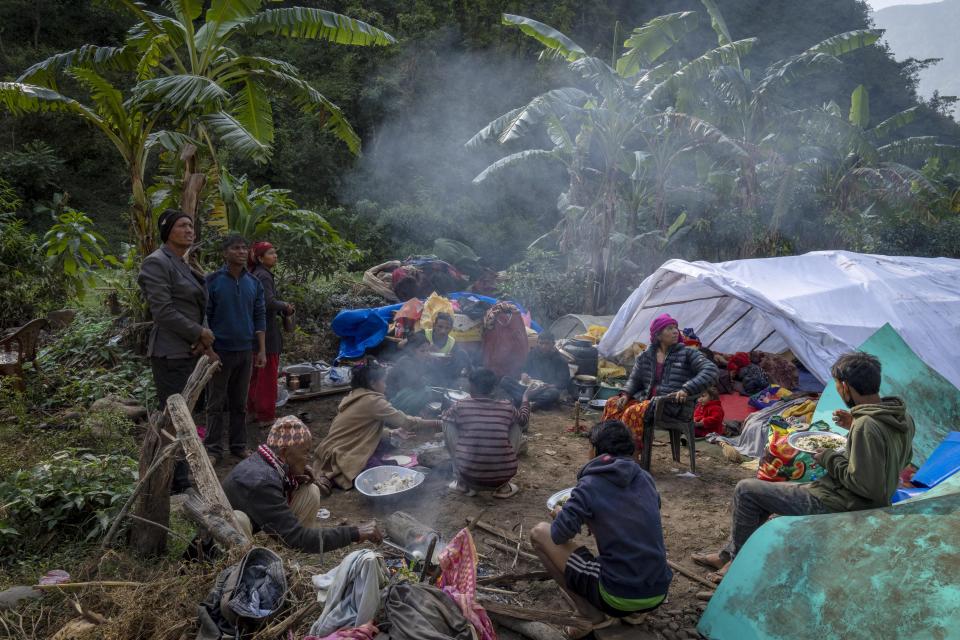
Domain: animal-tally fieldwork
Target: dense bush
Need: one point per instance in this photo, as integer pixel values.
(74, 495)
(543, 283)
(29, 285)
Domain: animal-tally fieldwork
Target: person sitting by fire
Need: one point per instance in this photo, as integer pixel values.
(407, 388)
(274, 491)
(546, 374)
(453, 361)
(483, 437)
(667, 370)
(358, 437)
(619, 503)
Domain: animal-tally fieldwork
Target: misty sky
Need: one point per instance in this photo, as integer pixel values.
(881, 4)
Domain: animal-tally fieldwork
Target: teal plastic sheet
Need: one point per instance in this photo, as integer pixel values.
(933, 402)
(882, 573)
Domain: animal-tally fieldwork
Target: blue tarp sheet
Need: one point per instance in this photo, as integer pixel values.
(362, 329)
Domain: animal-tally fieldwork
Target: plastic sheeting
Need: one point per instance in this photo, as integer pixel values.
(362, 329)
(932, 401)
(880, 573)
(819, 305)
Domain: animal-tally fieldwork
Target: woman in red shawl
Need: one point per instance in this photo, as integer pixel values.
(262, 396)
(505, 344)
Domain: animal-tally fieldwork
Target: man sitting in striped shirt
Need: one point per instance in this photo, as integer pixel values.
(483, 437)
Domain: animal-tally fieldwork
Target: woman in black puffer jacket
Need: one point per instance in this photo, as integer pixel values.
(667, 368)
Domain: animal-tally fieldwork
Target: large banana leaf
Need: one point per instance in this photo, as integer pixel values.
(647, 43)
(172, 141)
(698, 69)
(717, 22)
(492, 131)
(546, 35)
(316, 24)
(229, 62)
(235, 137)
(512, 160)
(602, 75)
(784, 73)
(252, 109)
(860, 107)
(557, 102)
(179, 94)
(916, 147)
(222, 17)
(710, 138)
(22, 98)
(141, 35)
(311, 101)
(894, 122)
(105, 96)
(655, 76)
(187, 9)
(847, 42)
(89, 55)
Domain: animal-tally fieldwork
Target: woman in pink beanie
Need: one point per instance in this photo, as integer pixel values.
(667, 368)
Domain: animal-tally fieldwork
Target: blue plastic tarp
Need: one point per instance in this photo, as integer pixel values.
(362, 329)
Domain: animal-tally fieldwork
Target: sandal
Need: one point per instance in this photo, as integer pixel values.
(576, 633)
(702, 560)
(511, 490)
(459, 488)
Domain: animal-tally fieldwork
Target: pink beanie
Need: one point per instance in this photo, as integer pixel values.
(659, 324)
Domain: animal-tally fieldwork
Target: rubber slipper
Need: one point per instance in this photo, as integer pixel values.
(701, 559)
(459, 488)
(511, 491)
(576, 633)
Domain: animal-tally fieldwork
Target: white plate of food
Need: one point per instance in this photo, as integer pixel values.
(559, 499)
(812, 441)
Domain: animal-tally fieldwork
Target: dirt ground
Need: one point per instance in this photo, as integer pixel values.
(695, 511)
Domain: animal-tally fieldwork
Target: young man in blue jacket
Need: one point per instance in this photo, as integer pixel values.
(619, 503)
(236, 313)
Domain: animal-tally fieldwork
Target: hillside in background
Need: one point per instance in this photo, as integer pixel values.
(926, 31)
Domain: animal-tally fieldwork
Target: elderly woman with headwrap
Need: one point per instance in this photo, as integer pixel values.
(669, 370)
(262, 396)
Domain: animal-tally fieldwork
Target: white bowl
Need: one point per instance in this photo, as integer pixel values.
(365, 482)
(557, 497)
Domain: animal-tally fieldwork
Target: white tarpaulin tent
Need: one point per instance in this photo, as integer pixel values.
(818, 305)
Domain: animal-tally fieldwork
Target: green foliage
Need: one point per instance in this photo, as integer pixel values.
(546, 285)
(75, 248)
(74, 495)
(89, 360)
(33, 170)
(29, 285)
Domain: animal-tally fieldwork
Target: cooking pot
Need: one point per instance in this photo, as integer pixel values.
(301, 376)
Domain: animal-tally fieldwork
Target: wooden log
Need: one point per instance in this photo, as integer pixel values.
(530, 629)
(682, 570)
(514, 577)
(80, 586)
(535, 615)
(165, 455)
(497, 531)
(204, 477)
(154, 502)
(511, 550)
(210, 518)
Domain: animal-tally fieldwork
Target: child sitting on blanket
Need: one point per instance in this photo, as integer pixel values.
(708, 414)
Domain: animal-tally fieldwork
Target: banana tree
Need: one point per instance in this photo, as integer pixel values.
(619, 140)
(132, 132)
(189, 72)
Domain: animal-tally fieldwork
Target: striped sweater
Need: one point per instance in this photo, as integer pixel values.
(484, 455)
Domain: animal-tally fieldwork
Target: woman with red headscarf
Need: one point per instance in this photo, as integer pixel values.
(667, 368)
(262, 397)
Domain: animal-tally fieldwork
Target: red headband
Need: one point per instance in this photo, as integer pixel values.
(256, 252)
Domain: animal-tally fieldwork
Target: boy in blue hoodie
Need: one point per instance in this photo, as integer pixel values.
(619, 503)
